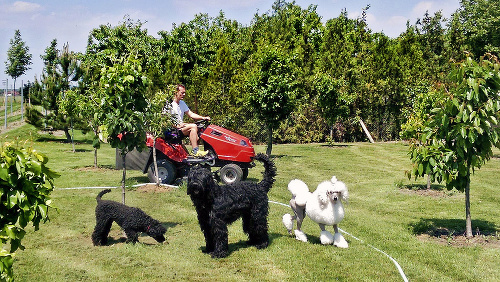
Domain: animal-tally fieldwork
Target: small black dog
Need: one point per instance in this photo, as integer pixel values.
(132, 220)
(217, 206)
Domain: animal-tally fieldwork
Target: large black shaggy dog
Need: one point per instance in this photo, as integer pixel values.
(217, 206)
(132, 220)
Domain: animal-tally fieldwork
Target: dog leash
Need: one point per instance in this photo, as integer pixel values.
(376, 249)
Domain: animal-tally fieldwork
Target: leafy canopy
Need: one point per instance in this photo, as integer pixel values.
(25, 185)
(460, 135)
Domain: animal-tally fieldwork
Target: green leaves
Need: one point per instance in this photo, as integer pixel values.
(463, 130)
(25, 186)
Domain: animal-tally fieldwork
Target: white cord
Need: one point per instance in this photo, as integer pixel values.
(393, 260)
(113, 187)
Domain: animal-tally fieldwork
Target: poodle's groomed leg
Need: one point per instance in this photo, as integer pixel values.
(204, 221)
(132, 236)
(325, 237)
(101, 231)
(338, 239)
(255, 225)
(299, 211)
(219, 233)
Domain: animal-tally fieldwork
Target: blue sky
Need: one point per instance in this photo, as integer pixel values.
(71, 20)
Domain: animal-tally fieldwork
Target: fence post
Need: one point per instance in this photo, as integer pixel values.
(5, 94)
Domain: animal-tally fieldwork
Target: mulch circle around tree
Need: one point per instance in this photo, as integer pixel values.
(444, 236)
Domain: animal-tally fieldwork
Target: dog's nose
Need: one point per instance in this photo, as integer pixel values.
(335, 198)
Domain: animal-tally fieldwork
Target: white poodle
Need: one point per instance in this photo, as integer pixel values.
(323, 206)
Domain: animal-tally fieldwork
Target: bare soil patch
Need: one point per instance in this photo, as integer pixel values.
(428, 192)
(443, 236)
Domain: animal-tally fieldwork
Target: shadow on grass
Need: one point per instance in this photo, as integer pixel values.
(51, 137)
(138, 179)
(284, 156)
(233, 247)
(123, 239)
(436, 227)
(336, 145)
(435, 187)
(92, 168)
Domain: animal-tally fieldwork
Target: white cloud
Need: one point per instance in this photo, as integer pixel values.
(23, 7)
(422, 7)
(447, 7)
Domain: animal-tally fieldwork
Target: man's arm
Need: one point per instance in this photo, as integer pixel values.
(196, 116)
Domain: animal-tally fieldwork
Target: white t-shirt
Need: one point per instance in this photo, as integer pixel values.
(178, 110)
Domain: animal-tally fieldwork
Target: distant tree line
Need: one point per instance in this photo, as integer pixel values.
(288, 75)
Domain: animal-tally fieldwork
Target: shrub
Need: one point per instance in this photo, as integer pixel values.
(25, 186)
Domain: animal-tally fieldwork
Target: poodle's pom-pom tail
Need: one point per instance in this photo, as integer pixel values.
(269, 171)
(288, 222)
(299, 190)
(99, 196)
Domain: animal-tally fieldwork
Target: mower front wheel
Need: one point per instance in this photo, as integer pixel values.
(231, 173)
(166, 172)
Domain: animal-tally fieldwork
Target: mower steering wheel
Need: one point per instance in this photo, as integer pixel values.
(201, 123)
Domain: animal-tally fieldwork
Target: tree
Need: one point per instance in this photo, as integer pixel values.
(25, 186)
(272, 90)
(158, 120)
(123, 88)
(331, 97)
(18, 58)
(61, 67)
(479, 24)
(458, 137)
(85, 106)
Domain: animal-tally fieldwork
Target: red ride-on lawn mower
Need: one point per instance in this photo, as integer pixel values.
(230, 152)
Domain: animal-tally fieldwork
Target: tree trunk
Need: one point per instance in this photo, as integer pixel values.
(13, 96)
(269, 141)
(72, 136)
(95, 157)
(468, 220)
(124, 154)
(96, 133)
(67, 134)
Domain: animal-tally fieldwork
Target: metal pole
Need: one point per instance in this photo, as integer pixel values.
(12, 96)
(22, 99)
(6, 90)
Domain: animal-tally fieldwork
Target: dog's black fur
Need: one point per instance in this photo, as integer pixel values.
(132, 220)
(217, 206)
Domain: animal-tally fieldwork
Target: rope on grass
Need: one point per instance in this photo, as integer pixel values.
(114, 187)
(376, 249)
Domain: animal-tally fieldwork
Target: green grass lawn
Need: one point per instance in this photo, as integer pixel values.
(380, 214)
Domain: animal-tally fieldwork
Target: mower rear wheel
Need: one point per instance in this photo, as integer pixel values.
(231, 173)
(166, 172)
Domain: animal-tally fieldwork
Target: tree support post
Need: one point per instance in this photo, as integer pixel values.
(366, 131)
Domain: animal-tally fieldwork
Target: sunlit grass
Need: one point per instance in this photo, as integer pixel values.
(379, 213)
